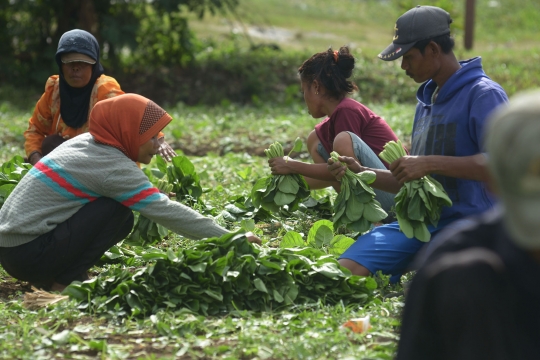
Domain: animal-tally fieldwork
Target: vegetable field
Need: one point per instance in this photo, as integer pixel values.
(158, 295)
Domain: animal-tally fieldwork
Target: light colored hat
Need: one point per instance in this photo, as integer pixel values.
(73, 57)
(513, 146)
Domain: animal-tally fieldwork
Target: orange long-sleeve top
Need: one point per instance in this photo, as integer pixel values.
(46, 119)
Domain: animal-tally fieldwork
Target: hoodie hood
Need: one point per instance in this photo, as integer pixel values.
(470, 70)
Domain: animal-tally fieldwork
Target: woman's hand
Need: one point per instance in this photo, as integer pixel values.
(34, 158)
(282, 166)
(252, 238)
(166, 151)
(338, 170)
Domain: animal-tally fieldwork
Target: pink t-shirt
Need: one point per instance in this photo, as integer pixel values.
(350, 115)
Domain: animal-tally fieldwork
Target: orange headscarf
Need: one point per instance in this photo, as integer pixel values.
(126, 122)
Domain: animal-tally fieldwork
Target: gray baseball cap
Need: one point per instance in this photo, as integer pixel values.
(419, 23)
(514, 161)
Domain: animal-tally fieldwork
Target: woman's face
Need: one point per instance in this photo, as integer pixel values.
(313, 98)
(77, 74)
(148, 150)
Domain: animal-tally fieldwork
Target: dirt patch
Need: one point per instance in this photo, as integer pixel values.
(10, 288)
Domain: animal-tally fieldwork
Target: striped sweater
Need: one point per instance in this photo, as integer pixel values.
(80, 171)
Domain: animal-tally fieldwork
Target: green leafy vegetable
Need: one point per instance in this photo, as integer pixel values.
(355, 206)
(418, 202)
(11, 173)
(321, 236)
(179, 178)
(297, 146)
(274, 193)
(219, 275)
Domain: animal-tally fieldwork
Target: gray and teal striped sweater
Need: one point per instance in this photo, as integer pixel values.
(80, 171)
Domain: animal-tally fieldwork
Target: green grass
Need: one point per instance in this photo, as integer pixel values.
(368, 25)
(220, 129)
(505, 35)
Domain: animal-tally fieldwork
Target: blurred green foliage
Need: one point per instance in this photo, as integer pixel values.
(150, 49)
(147, 32)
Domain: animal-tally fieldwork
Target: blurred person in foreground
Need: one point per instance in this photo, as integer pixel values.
(476, 295)
(65, 213)
(454, 101)
(63, 110)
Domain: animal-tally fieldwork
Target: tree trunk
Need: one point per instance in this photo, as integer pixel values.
(88, 19)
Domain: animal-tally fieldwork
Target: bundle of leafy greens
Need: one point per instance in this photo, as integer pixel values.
(418, 202)
(220, 275)
(179, 178)
(274, 192)
(355, 206)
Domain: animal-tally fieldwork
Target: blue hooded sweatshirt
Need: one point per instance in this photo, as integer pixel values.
(453, 126)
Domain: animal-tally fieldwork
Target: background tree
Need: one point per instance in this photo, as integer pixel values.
(151, 33)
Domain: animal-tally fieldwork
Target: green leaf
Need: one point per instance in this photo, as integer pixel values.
(297, 145)
(360, 226)
(248, 224)
(323, 236)
(292, 239)
(277, 296)
(373, 212)
(161, 164)
(329, 269)
(414, 210)
(367, 176)
(154, 256)
(214, 295)
(75, 290)
(421, 232)
(313, 231)
(259, 285)
(183, 166)
(282, 198)
(200, 267)
(405, 226)
(339, 244)
(288, 185)
(354, 208)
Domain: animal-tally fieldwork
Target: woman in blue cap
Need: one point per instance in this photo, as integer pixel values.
(62, 111)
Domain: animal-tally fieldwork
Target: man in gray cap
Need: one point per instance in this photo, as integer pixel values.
(475, 297)
(453, 102)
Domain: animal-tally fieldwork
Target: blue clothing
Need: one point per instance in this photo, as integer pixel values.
(451, 126)
(368, 158)
(454, 126)
(387, 249)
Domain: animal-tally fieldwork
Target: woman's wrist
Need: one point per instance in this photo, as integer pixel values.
(34, 157)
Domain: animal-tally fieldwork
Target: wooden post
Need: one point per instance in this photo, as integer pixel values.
(469, 23)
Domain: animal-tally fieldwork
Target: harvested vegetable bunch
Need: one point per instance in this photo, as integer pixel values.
(355, 206)
(418, 202)
(219, 275)
(275, 191)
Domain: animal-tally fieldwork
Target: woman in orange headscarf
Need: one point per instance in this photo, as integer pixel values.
(79, 209)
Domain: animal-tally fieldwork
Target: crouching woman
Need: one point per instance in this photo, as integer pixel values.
(65, 213)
